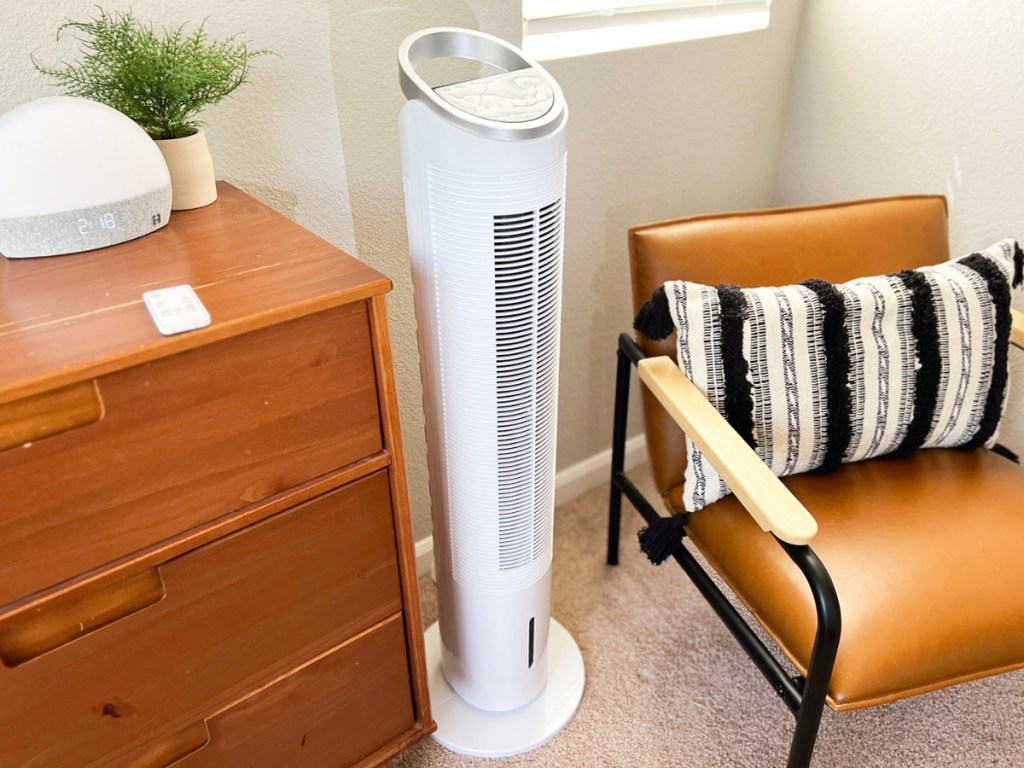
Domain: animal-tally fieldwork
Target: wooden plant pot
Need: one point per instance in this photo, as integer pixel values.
(192, 180)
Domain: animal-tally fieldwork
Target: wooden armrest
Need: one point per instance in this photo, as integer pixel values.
(1017, 329)
(767, 500)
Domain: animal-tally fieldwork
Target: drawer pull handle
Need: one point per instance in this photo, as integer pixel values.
(49, 413)
(58, 621)
(170, 750)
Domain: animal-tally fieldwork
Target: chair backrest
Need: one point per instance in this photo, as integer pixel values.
(779, 246)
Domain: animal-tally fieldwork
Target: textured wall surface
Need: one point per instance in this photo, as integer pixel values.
(656, 133)
(914, 97)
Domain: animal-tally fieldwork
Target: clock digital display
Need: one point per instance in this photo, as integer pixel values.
(103, 221)
(85, 229)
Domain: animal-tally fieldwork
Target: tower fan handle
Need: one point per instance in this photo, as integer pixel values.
(441, 42)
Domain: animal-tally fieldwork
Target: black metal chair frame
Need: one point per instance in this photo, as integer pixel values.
(805, 697)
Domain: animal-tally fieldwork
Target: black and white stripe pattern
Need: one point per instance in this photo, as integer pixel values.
(697, 309)
(817, 374)
(879, 319)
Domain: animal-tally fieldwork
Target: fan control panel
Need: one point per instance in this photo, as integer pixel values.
(508, 97)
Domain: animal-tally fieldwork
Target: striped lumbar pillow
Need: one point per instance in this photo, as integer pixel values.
(816, 374)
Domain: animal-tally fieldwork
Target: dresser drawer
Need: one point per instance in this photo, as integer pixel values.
(228, 618)
(187, 439)
(330, 713)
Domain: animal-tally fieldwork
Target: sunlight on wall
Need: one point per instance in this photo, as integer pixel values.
(546, 39)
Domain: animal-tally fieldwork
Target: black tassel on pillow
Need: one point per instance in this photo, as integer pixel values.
(654, 320)
(1006, 453)
(659, 540)
(1018, 265)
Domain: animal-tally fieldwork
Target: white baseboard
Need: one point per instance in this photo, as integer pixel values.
(424, 556)
(570, 483)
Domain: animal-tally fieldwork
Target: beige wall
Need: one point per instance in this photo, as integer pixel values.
(908, 97)
(655, 133)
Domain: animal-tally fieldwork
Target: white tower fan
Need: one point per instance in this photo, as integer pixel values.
(484, 171)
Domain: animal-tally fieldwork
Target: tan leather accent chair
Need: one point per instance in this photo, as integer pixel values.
(884, 579)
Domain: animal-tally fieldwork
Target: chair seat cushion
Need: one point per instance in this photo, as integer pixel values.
(927, 556)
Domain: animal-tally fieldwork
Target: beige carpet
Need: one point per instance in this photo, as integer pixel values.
(667, 685)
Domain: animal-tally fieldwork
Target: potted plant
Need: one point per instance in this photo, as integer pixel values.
(162, 82)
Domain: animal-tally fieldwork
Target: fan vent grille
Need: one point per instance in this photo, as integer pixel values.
(494, 284)
(527, 287)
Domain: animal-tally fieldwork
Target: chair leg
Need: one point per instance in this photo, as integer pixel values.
(622, 373)
(823, 654)
(804, 739)
(807, 704)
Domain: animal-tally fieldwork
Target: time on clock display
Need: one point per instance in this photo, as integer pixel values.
(103, 221)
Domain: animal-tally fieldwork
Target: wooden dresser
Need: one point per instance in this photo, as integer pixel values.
(205, 549)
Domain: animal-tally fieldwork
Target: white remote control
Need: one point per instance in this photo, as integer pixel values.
(176, 309)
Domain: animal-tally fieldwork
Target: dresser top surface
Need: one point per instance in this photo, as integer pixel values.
(68, 318)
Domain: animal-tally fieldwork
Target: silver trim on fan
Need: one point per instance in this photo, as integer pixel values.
(439, 42)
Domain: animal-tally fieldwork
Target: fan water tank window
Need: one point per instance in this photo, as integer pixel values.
(558, 29)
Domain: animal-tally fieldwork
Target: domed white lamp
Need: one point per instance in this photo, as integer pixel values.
(76, 175)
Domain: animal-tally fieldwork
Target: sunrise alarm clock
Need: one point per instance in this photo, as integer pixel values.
(76, 175)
